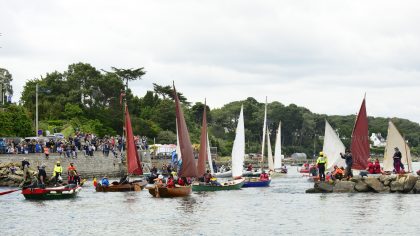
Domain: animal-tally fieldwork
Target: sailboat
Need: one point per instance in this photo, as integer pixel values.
(332, 148)
(188, 168)
(204, 154)
(395, 139)
(255, 181)
(360, 140)
(133, 163)
(278, 168)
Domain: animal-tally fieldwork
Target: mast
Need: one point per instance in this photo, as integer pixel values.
(264, 131)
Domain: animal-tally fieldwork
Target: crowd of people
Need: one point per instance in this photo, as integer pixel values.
(70, 147)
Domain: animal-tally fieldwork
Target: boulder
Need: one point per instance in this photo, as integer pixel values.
(376, 185)
(324, 187)
(4, 165)
(409, 183)
(19, 172)
(362, 187)
(416, 188)
(396, 186)
(344, 187)
(15, 178)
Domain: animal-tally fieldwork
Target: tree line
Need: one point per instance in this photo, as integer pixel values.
(86, 99)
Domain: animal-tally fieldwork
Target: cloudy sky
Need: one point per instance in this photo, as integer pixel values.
(323, 55)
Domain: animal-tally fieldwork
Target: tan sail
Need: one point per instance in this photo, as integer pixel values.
(393, 140)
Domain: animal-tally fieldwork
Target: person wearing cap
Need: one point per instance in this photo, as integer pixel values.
(349, 163)
(42, 176)
(397, 160)
(322, 163)
(58, 170)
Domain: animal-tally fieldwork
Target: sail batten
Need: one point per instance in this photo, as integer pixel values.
(133, 161)
(360, 140)
(188, 168)
(332, 148)
(277, 149)
(395, 139)
(238, 150)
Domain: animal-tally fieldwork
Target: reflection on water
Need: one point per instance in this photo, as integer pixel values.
(283, 208)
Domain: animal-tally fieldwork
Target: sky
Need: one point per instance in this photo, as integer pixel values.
(323, 55)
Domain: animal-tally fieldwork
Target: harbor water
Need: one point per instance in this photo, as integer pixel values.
(283, 208)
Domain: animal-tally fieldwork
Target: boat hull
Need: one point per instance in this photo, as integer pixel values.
(165, 192)
(130, 187)
(50, 193)
(230, 185)
(255, 183)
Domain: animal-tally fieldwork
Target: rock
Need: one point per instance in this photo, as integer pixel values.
(416, 188)
(362, 187)
(313, 190)
(409, 183)
(324, 187)
(15, 178)
(344, 187)
(19, 172)
(4, 165)
(376, 185)
(396, 186)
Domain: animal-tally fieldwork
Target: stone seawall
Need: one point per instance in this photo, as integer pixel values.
(87, 167)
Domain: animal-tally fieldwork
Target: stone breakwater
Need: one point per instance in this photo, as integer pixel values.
(87, 167)
(377, 184)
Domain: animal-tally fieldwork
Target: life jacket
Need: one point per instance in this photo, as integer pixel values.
(338, 171)
(377, 168)
(58, 169)
(264, 176)
(170, 183)
(371, 168)
(181, 182)
(322, 160)
(95, 183)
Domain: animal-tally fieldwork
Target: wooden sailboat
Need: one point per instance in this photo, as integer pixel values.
(204, 154)
(189, 168)
(395, 139)
(133, 163)
(360, 140)
(332, 148)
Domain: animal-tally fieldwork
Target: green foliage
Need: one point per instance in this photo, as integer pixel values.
(15, 122)
(166, 137)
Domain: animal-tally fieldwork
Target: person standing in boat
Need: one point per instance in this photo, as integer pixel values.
(397, 160)
(58, 170)
(42, 176)
(349, 163)
(321, 163)
(105, 181)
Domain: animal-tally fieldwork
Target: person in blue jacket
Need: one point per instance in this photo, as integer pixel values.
(105, 181)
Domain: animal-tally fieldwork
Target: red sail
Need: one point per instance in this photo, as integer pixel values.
(133, 161)
(202, 156)
(189, 168)
(360, 140)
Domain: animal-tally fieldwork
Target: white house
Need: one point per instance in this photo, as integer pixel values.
(377, 140)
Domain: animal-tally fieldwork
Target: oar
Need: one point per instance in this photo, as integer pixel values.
(10, 191)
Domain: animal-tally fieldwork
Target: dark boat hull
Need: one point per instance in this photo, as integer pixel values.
(252, 183)
(50, 193)
(130, 187)
(165, 192)
(230, 185)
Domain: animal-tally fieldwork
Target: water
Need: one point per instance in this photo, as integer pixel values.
(283, 208)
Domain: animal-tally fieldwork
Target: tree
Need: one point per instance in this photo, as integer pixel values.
(15, 122)
(166, 137)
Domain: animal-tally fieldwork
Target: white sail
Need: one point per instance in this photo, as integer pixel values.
(333, 147)
(264, 130)
(269, 152)
(277, 149)
(238, 150)
(209, 156)
(395, 139)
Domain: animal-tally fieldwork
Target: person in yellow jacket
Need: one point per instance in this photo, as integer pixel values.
(58, 170)
(322, 164)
